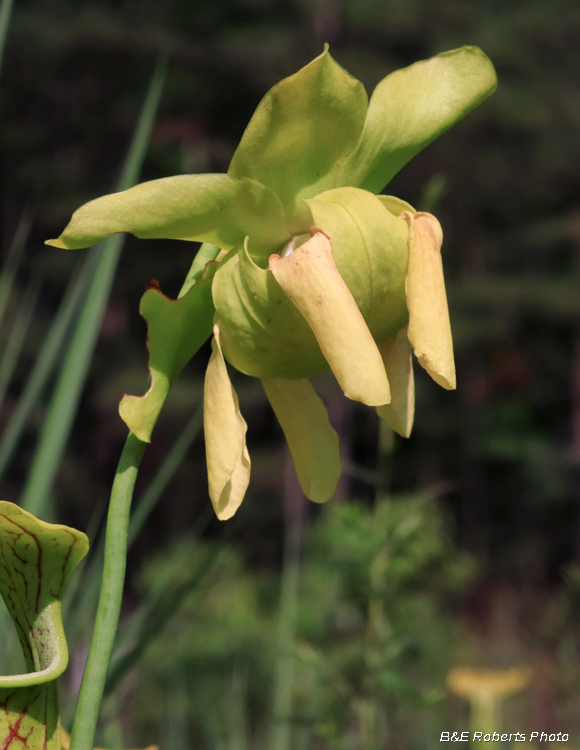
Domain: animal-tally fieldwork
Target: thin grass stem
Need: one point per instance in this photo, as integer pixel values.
(155, 614)
(280, 735)
(165, 474)
(45, 363)
(5, 13)
(13, 258)
(17, 336)
(72, 376)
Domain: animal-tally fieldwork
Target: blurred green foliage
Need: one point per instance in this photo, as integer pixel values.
(374, 634)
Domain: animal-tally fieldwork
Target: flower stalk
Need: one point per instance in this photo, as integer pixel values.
(110, 598)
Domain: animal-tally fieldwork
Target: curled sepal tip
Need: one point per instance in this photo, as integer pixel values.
(429, 327)
(313, 443)
(396, 353)
(228, 460)
(311, 280)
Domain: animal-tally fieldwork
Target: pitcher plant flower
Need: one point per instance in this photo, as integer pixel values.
(306, 267)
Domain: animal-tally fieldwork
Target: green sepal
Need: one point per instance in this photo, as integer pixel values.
(175, 331)
(413, 106)
(29, 718)
(262, 333)
(35, 561)
(369, 247)
(301, 134)
(208, 208)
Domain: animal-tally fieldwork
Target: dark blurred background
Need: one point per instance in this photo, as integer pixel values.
(498, 458)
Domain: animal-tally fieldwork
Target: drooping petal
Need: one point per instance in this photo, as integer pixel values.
(228, 460)
(413, 106)
(301, 134)
(396, 353)
(312, 441)
(312, 282)
(262, 332)
(369, 248)
(429, 326)
(175, 331)
(207, 207)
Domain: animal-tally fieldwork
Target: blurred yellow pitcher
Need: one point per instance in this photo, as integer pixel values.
(485, 690)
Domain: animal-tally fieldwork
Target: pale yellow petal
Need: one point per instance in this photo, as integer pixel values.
(429, 327)
(228, 461)
(396, 354)
(312, 441)
(312, 282)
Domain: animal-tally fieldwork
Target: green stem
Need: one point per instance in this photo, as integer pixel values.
(95, 674)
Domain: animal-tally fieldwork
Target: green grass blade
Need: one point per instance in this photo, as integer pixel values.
(238, 709)
(45, 363)
(177, 711)
(57, 425)
(5, 13)
(76, 363)
(285, 666)
(165, 474)
(13, 261)
(17, 335)
(154, 615)
(80, 602)
(140, 141)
